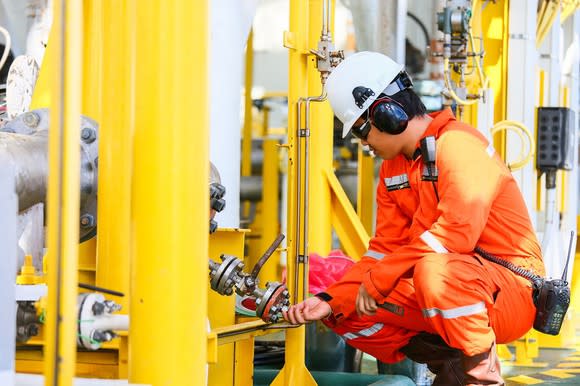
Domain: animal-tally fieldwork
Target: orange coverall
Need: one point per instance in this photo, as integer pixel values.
(422, 257)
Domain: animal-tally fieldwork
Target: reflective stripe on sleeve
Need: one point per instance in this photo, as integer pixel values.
(433, 243)
(364, 333)
(374, 254)
(457, 312)
(490, 150)
(397, 182)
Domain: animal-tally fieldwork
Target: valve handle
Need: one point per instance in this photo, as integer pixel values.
(266, 255)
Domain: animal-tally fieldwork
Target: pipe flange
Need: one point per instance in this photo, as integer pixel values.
(86, 314)
(274, 300)
(227, 275)
(37, 123)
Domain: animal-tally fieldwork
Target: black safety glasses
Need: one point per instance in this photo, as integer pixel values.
(362, 131)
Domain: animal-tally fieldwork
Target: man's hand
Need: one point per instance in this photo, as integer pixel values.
(365, 303)
(309, 310)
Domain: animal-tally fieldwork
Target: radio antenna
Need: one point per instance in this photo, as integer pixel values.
(565, 273)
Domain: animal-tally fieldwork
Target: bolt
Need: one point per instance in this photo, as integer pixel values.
(32, 330)
(98, 308)
(31, 119)
(87, 221)
(217, 204)
(212, 226)
(112, 306)
(99, 336)
(88, 134)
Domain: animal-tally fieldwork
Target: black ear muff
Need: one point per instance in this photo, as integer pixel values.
(388, 116)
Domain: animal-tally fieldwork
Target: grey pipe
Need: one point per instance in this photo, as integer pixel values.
(27, 155)
(24, 146)
(8, 259)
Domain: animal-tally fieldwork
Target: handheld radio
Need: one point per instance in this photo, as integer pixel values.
(552, 298)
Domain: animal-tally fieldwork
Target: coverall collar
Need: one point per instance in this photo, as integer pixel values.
(440, 120)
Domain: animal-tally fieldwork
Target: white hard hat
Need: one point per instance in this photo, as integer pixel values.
(357, 81)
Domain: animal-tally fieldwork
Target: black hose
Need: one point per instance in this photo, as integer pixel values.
(421, 25)
(91, 287)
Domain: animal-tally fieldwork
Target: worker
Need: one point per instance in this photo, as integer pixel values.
(421, 290)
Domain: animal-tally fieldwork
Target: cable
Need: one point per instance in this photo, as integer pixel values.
(452, 93)
(421, 26)
(535, 279)
(7, 46)
(509, 124)
(482, 78)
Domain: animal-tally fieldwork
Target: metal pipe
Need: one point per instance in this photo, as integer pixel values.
(169, 214)
(24, 145)
(115, 148)
(305, 132)
(8, 240)
(63, 193)
(27, 154)
(326, 21)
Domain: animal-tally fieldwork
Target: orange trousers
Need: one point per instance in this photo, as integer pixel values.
(469, 301)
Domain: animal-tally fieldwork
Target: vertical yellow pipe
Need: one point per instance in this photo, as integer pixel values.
(63, 193)
(247, 129)
(294, 371)
(170, 197)
(540, 182)
(495, 23)
(94, 30)
(270, 211)
(365, 196)
(115, 147)
(321, 147)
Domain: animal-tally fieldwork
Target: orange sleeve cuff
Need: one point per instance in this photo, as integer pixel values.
(371, 288)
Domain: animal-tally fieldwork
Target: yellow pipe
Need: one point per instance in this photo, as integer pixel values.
(568, 10)
(247, 129)
(365, 197)
(94, 55)
(294, 371)
(115, 148)
(449, 86)
(63, 193)
(551, 14)
(540, 197)
(510, 124)
(270, 212)
(321, 147)
(563, 175)
(170, 197)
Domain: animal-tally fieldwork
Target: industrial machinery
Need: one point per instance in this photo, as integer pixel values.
(227, 277)
(119, 108)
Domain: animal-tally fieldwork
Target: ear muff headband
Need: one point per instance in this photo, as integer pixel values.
(388, 116)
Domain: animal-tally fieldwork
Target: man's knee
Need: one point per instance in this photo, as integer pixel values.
(430, 275)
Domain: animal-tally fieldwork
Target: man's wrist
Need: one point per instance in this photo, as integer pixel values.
(325, 298)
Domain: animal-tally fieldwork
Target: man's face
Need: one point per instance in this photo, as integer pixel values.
(383, 145)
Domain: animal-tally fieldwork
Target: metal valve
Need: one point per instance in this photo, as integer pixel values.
(97, 322)
(227, 277)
